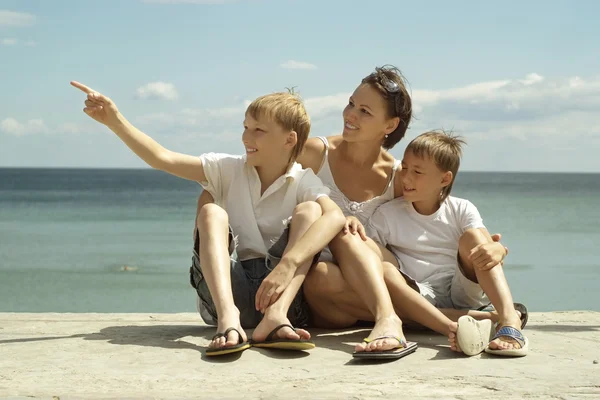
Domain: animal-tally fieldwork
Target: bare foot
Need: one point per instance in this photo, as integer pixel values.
(232, 339)
(270, 321)
(504, 342)
(390, 326)
(452, 337)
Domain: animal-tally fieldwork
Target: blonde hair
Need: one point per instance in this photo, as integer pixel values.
(287, 110)
(444, 148)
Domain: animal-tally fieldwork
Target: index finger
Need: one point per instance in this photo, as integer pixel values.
(82, 87)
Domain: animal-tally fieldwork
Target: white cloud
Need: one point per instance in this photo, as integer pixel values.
(158, 90)
(69, 127)
(14, 42)
(534, 104)
(9, 42)
(12, 18)
(291, 64)
(13, 127)
(190, 120)
(323, 107)
(526, 109)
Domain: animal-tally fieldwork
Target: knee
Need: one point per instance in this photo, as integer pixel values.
(211, 214)
(308, 210)
(392, 276)
(346, 238)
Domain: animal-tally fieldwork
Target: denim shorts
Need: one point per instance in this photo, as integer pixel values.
(246, 278)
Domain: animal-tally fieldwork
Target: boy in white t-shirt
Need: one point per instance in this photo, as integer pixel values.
(248, 264)
(426, 229)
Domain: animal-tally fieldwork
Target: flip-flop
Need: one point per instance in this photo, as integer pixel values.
(283, 343)
(241, 346)
(516, 335)
(403, 349)
(524, 313)
(518, 306)
(473, 336)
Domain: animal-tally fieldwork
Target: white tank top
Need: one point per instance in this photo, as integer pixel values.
(361, 210)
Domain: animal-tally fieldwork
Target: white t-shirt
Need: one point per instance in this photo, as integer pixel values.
(257, 220)
(426, 246)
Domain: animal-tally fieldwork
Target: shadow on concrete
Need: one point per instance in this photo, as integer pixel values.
(169, 337)
(563, 328)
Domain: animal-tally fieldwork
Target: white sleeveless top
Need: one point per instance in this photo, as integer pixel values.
(361, 210)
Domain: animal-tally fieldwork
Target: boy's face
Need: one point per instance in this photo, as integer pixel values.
(422, 180)
(266, 142)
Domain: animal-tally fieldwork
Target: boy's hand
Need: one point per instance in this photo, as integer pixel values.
(488, 255)
(273, 285)
(98, 106)
(353, 225)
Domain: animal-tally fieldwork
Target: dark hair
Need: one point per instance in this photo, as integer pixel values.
(391, 84)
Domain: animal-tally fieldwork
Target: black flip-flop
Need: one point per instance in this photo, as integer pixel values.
(241, 346)
(403, 349)
(282, 343)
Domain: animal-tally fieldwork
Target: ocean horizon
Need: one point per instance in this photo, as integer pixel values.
(119, 239)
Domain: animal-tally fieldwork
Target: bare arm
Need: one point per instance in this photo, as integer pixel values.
(312, 155)
(318, 236)
(104, 110)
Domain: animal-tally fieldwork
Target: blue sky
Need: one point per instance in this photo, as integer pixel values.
(519, 80)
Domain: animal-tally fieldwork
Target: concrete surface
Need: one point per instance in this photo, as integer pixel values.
(139, 356)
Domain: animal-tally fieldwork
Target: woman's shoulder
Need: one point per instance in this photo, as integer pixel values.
(312, 154)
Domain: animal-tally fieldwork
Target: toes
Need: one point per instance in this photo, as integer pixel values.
(288, 333)
(382, 345)
(362, 346)
(217, 343)
(232, 339)
(506, 344)
(303, 334)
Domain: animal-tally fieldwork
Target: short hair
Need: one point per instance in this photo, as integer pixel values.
(444, 148)
(287, 110)
(391, 85)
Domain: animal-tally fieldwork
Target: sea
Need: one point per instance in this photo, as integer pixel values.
(120, 240)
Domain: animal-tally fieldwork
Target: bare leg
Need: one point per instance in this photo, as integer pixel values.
(412, 305)
(363, 272)
(213, 228)
(493, 282)
(304, 216)
(333, 303)
(205, 198)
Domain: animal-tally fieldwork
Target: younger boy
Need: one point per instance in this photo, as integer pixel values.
(426, 229)
(247, 261)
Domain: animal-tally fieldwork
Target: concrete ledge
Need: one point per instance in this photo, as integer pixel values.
(134, 356)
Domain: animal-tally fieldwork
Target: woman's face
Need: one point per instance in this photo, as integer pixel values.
(365, 116)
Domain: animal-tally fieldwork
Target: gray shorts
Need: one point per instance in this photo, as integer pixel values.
(246, 278)
(451, 289)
